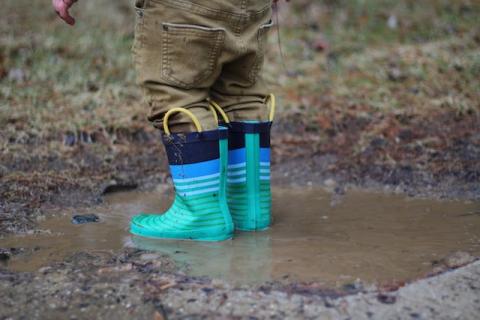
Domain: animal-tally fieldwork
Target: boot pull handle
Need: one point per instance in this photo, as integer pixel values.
(216, 108)
(180, 110)
(215, 115)
(272, 103)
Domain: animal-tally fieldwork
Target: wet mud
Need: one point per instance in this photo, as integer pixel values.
(316, 236)
(83, 277)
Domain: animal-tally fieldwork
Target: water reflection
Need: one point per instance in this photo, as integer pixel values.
(374, 237)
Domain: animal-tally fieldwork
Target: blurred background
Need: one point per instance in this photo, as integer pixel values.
(362, 82)
(383, 95)
(381, 54)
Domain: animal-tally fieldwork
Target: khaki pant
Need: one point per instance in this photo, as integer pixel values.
(187, 51)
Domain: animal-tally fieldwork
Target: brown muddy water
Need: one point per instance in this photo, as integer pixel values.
(316, 236)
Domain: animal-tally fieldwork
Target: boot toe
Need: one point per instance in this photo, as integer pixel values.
(147, 224)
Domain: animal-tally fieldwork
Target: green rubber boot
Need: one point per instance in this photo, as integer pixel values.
(198, 164)
(248, 177)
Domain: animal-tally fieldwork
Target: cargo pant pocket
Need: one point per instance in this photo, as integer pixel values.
(190, 54)
(262, 34)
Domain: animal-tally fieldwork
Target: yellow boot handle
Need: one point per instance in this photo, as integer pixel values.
(214, 106)
(180, 110)
(272, 100)
(215, 115)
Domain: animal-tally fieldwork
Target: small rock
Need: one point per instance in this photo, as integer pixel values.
(44, 270)
(92, 87)
(149, 256)
(17, 75)
(339, 190)
(414, 90)
(378, 142)
(395, 74)
(7, 253)
(121, 268)
(386, 298)
(69, 139)
(330, 183)
(392, 22)
(4, 256)
(85, 218)
(217, 283)
(208, 290)
(405, 135)
(351, 287)
(458, 259)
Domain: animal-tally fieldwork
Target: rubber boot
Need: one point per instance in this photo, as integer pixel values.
(248, 177)
(198, 164)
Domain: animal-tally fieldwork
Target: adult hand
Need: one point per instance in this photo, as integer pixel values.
(62, 7)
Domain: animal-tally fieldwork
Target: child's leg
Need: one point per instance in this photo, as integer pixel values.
(242, 93)
(176, 54)
(181, 48)
(240, 89)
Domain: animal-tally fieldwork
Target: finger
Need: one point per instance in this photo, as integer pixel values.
(70, 20)
(63, 13)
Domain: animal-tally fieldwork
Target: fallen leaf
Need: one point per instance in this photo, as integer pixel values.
(158, 316)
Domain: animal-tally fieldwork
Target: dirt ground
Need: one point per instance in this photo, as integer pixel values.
(381, 95)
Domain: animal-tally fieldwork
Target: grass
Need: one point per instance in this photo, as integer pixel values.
(57, 78)
(379, 56)
(425, 60)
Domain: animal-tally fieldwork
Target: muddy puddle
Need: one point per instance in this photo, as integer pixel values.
(373, 237)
